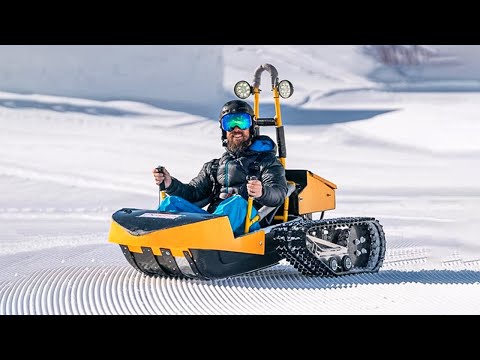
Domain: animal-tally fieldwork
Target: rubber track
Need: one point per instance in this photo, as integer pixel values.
(292, 245)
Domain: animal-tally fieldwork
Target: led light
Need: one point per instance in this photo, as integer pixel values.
(285, 89)
(242, 89)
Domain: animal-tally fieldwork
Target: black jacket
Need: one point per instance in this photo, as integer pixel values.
(259, 159)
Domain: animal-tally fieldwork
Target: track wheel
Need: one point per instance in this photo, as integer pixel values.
(333, 263)
(347, 263)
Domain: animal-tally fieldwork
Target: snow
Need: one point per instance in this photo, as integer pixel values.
(180, 76)
(400, 144)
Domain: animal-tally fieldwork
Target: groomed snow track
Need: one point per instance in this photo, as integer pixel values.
(118, 289)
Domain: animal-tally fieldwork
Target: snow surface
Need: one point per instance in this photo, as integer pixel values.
(402, 148)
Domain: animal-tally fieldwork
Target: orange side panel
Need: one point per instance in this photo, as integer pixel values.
(212, 234)
(317, 196)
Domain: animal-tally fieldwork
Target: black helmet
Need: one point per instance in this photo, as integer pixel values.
(237, 106)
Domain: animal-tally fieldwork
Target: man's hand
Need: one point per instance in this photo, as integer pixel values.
(254, 188)
(163, 176)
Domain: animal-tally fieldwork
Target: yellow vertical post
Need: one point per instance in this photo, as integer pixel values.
(278, 118)
(256, 109)
(283, 161)
(256, 102)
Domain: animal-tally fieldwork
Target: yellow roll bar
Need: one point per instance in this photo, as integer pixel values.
(280, 138)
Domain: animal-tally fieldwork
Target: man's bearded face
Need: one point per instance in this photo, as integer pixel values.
(238, 140)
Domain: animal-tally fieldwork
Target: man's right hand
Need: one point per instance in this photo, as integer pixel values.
(163, 176)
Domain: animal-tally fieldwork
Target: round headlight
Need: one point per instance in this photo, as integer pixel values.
(285, 89)
(242, 89)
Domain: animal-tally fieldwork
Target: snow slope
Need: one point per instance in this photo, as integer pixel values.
(168, 75)
(410, 159)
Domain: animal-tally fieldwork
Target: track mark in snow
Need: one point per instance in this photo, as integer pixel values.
(277, 290)
(401, 258)
(42, 242)
(428, 258)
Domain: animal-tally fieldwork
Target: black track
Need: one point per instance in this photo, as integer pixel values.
(367, 256)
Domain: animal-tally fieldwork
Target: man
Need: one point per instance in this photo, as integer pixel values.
(248, 167)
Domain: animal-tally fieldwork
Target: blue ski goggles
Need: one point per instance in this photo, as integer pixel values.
(241, 120)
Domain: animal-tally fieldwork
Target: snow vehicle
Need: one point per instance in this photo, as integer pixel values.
(203, 246)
